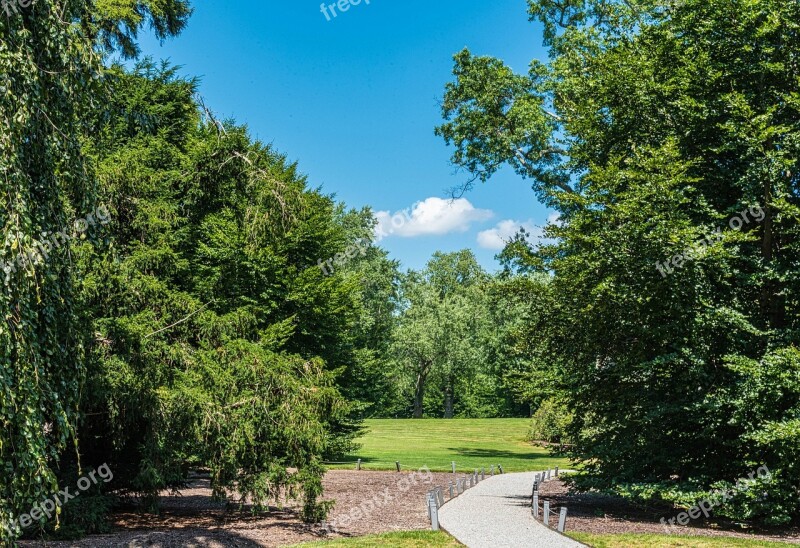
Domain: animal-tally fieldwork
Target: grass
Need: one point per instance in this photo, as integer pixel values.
(435, 443)
(415, 539)
(668, 541)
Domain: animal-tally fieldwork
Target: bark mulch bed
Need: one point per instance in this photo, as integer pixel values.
(366, 503)
(601, 514)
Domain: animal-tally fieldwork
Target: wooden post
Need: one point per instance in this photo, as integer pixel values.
(500, 467)
(562, 520)
(483, 473)
(556, 471)
(536, 504)
(453, 464)
(548, 474)
(434, 512)
(358, 465)
(397, 463)
(451, 490)
(546, 513)
(441, 496)
(491, 470)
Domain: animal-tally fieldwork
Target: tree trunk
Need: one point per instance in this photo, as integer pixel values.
(448, 399)
(419, 393)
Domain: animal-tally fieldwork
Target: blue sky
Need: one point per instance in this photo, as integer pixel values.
(354, 100)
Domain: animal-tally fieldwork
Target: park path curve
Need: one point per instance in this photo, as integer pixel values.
(496, 513)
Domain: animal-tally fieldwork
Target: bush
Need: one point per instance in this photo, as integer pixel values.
(550, 422)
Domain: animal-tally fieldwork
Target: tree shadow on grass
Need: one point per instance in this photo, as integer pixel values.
(350, 459)
(496, 454)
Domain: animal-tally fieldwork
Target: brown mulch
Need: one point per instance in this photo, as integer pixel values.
(366, 503)
(193, 519)
(602, 514)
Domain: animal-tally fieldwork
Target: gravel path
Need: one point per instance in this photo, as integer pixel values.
(496, 513)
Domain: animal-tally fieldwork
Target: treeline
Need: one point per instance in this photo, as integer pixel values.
(667, 137)
(452, 351)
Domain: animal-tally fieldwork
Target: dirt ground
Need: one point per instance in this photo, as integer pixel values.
(592, 513)
(366, 503)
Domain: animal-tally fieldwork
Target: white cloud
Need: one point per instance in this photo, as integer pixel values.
(497, 237)
(432, 216)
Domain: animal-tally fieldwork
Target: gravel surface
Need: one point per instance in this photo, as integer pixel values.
(496, 513)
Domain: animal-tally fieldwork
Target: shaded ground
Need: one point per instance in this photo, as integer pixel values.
(367, 502)
(593, 513)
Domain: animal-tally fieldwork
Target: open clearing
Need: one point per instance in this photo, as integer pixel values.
(435, 443)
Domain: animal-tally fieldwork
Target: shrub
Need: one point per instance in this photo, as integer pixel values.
(550, 422)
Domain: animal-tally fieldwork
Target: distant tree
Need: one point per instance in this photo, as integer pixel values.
(440, 332)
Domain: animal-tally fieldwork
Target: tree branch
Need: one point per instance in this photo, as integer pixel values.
(179, 321)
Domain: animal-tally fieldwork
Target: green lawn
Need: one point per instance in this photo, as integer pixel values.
(668, 541)
(415, 539)
(435, 443)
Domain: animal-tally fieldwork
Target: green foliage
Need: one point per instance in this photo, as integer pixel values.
(84, 515)
(551, 422)
(440, 340)
(53, 87)
(652, 125)
(217, 340)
